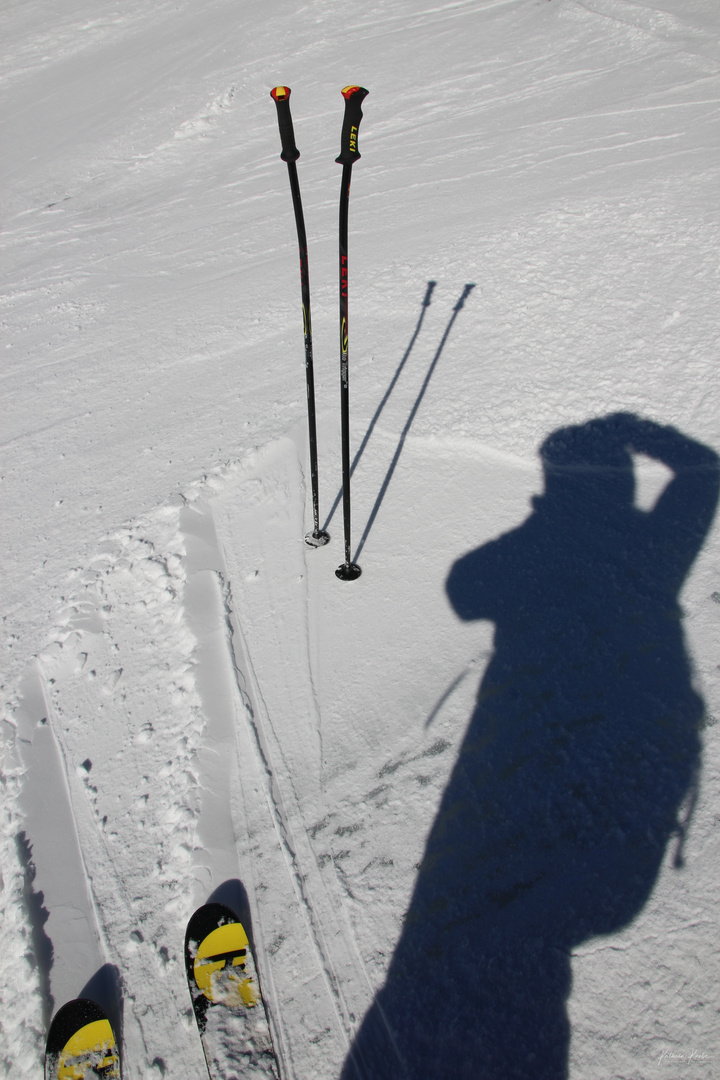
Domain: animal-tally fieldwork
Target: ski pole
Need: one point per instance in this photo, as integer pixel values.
(290, 154)
(354, 96)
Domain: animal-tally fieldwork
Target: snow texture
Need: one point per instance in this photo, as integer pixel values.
(472, 797)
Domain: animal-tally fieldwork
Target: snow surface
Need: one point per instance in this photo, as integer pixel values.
(191, 698)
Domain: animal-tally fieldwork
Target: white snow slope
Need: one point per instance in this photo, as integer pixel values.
(191, 697)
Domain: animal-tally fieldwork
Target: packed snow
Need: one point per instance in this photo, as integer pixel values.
(457, 864)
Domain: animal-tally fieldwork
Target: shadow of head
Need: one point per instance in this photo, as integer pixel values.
(589, 467)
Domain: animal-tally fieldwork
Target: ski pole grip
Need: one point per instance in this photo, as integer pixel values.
(281, 97)
(354, 96)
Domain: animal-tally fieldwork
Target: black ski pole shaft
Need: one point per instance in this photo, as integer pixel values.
(290, 154)
(349, 154)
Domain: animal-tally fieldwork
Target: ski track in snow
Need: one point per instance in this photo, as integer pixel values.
(191, 698)
(143, 595)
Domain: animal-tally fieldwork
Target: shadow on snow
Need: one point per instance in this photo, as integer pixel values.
(411, 416)
(581, 753)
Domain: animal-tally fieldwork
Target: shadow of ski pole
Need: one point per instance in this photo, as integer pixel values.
(366, 438)
(408, 423)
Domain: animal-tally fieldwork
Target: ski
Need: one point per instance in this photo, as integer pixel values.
(349, 154)
(226, 997)
(81, 1044)
(290, 153)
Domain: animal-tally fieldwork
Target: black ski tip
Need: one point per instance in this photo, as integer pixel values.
(206, 919)
(204, 926)
(72, 1016)
(317, 539)
(68, 1021)
(348, 571)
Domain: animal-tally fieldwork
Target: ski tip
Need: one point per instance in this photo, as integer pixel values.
(219, 962)
(280, 93)
(81, 1042)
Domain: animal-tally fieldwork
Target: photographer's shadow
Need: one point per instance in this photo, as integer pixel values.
(583, 745)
